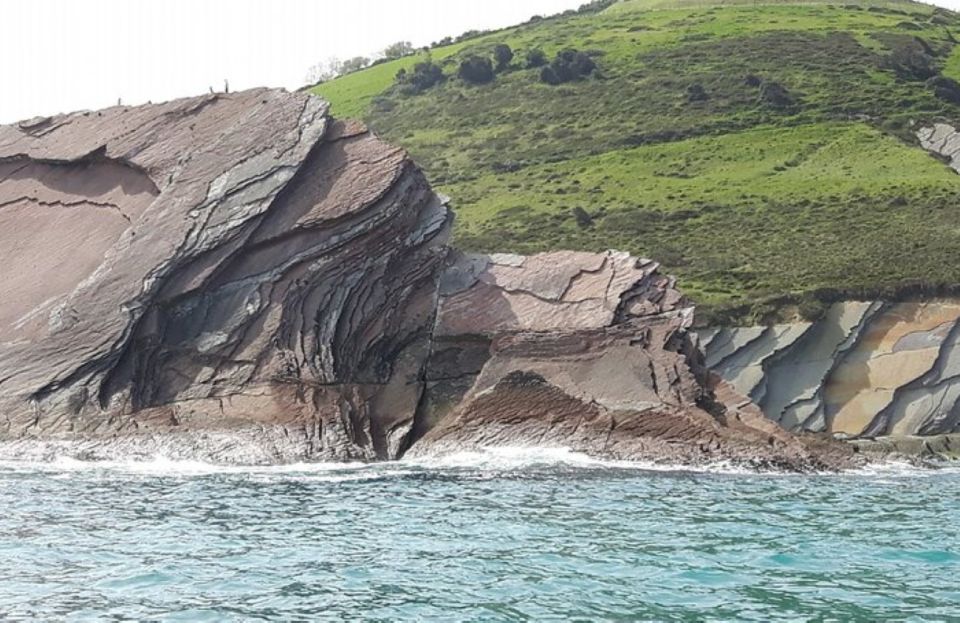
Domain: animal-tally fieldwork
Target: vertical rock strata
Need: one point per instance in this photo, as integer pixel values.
(864, 369)
(240, 278)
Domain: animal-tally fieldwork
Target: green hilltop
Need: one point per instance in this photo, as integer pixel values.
(764, 152)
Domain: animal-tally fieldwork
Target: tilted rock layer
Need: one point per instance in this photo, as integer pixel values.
(943, 140)
(865, 369)
(591, 352)
(224, 262)
(241, 278)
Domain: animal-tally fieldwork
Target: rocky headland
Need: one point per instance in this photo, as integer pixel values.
(241, 278)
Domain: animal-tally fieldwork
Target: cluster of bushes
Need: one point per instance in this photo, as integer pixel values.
(477, 69)
(474, 69)
(424, 76)
(913, 60)
(769, 92)
(596, 6)
(569, 65)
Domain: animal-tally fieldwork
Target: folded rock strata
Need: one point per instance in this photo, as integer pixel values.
(236, 263)
(866, 369)
(590, 352)
(241, 278)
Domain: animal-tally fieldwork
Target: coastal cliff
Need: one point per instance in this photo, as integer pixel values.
(592, 352)
(214, 269)
(241, 278)
(865, 369)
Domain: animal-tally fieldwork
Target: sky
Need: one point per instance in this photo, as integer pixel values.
(66, 55)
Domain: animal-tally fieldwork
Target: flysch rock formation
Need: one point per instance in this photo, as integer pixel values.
(234, 277)
(866, 369)
(943, 140)
(590, 352)
(240, 278)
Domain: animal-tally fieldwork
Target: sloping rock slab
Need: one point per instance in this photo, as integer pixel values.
(228, 263)
(589, 352)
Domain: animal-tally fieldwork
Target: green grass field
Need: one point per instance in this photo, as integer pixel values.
(753, 204)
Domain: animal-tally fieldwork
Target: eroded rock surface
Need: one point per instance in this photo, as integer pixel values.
(943, 140)
(240, 278)
(228, 263)
(590, 352)
(865, 369)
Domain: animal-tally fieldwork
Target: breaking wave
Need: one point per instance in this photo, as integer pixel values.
(488, 460)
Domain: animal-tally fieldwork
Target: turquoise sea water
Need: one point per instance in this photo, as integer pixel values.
(502, 536)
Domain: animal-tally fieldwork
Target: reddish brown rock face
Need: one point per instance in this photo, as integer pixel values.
(235, 263)
(589, 352)
(239, 278)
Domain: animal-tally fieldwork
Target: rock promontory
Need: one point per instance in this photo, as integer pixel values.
(241, 278)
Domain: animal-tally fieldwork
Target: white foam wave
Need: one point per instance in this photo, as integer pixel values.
(506, 458)
(494, 459)
(488, 460)
(160, 465)
(903, 469)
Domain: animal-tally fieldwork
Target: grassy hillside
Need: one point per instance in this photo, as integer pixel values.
(764, 152)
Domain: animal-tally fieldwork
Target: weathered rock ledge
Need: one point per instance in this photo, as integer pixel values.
(866, 369)
(240, 278)
(591, 352)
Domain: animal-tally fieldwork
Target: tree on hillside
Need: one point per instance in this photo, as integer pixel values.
(325, 70)
(502, 54)
(476, 70)
(354, 64)
(398, 50)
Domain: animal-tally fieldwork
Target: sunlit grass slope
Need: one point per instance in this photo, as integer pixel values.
(754, 204)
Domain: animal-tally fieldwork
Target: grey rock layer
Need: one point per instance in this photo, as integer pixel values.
(590, 352)
(943, 140)
(240, 278)
(223, 263)
(866, 369)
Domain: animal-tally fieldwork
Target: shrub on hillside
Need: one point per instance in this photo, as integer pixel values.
(696, 93)
(502, 55)
(945, 88)
(476, 70)
(775, 94)
(424, 76)
(582, 217)
(911, 62)
(569, 65)
(536, 58)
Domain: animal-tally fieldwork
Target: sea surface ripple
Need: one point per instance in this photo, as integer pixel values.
(507, 535)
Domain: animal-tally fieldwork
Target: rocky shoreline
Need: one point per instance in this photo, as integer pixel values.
(243, 279)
